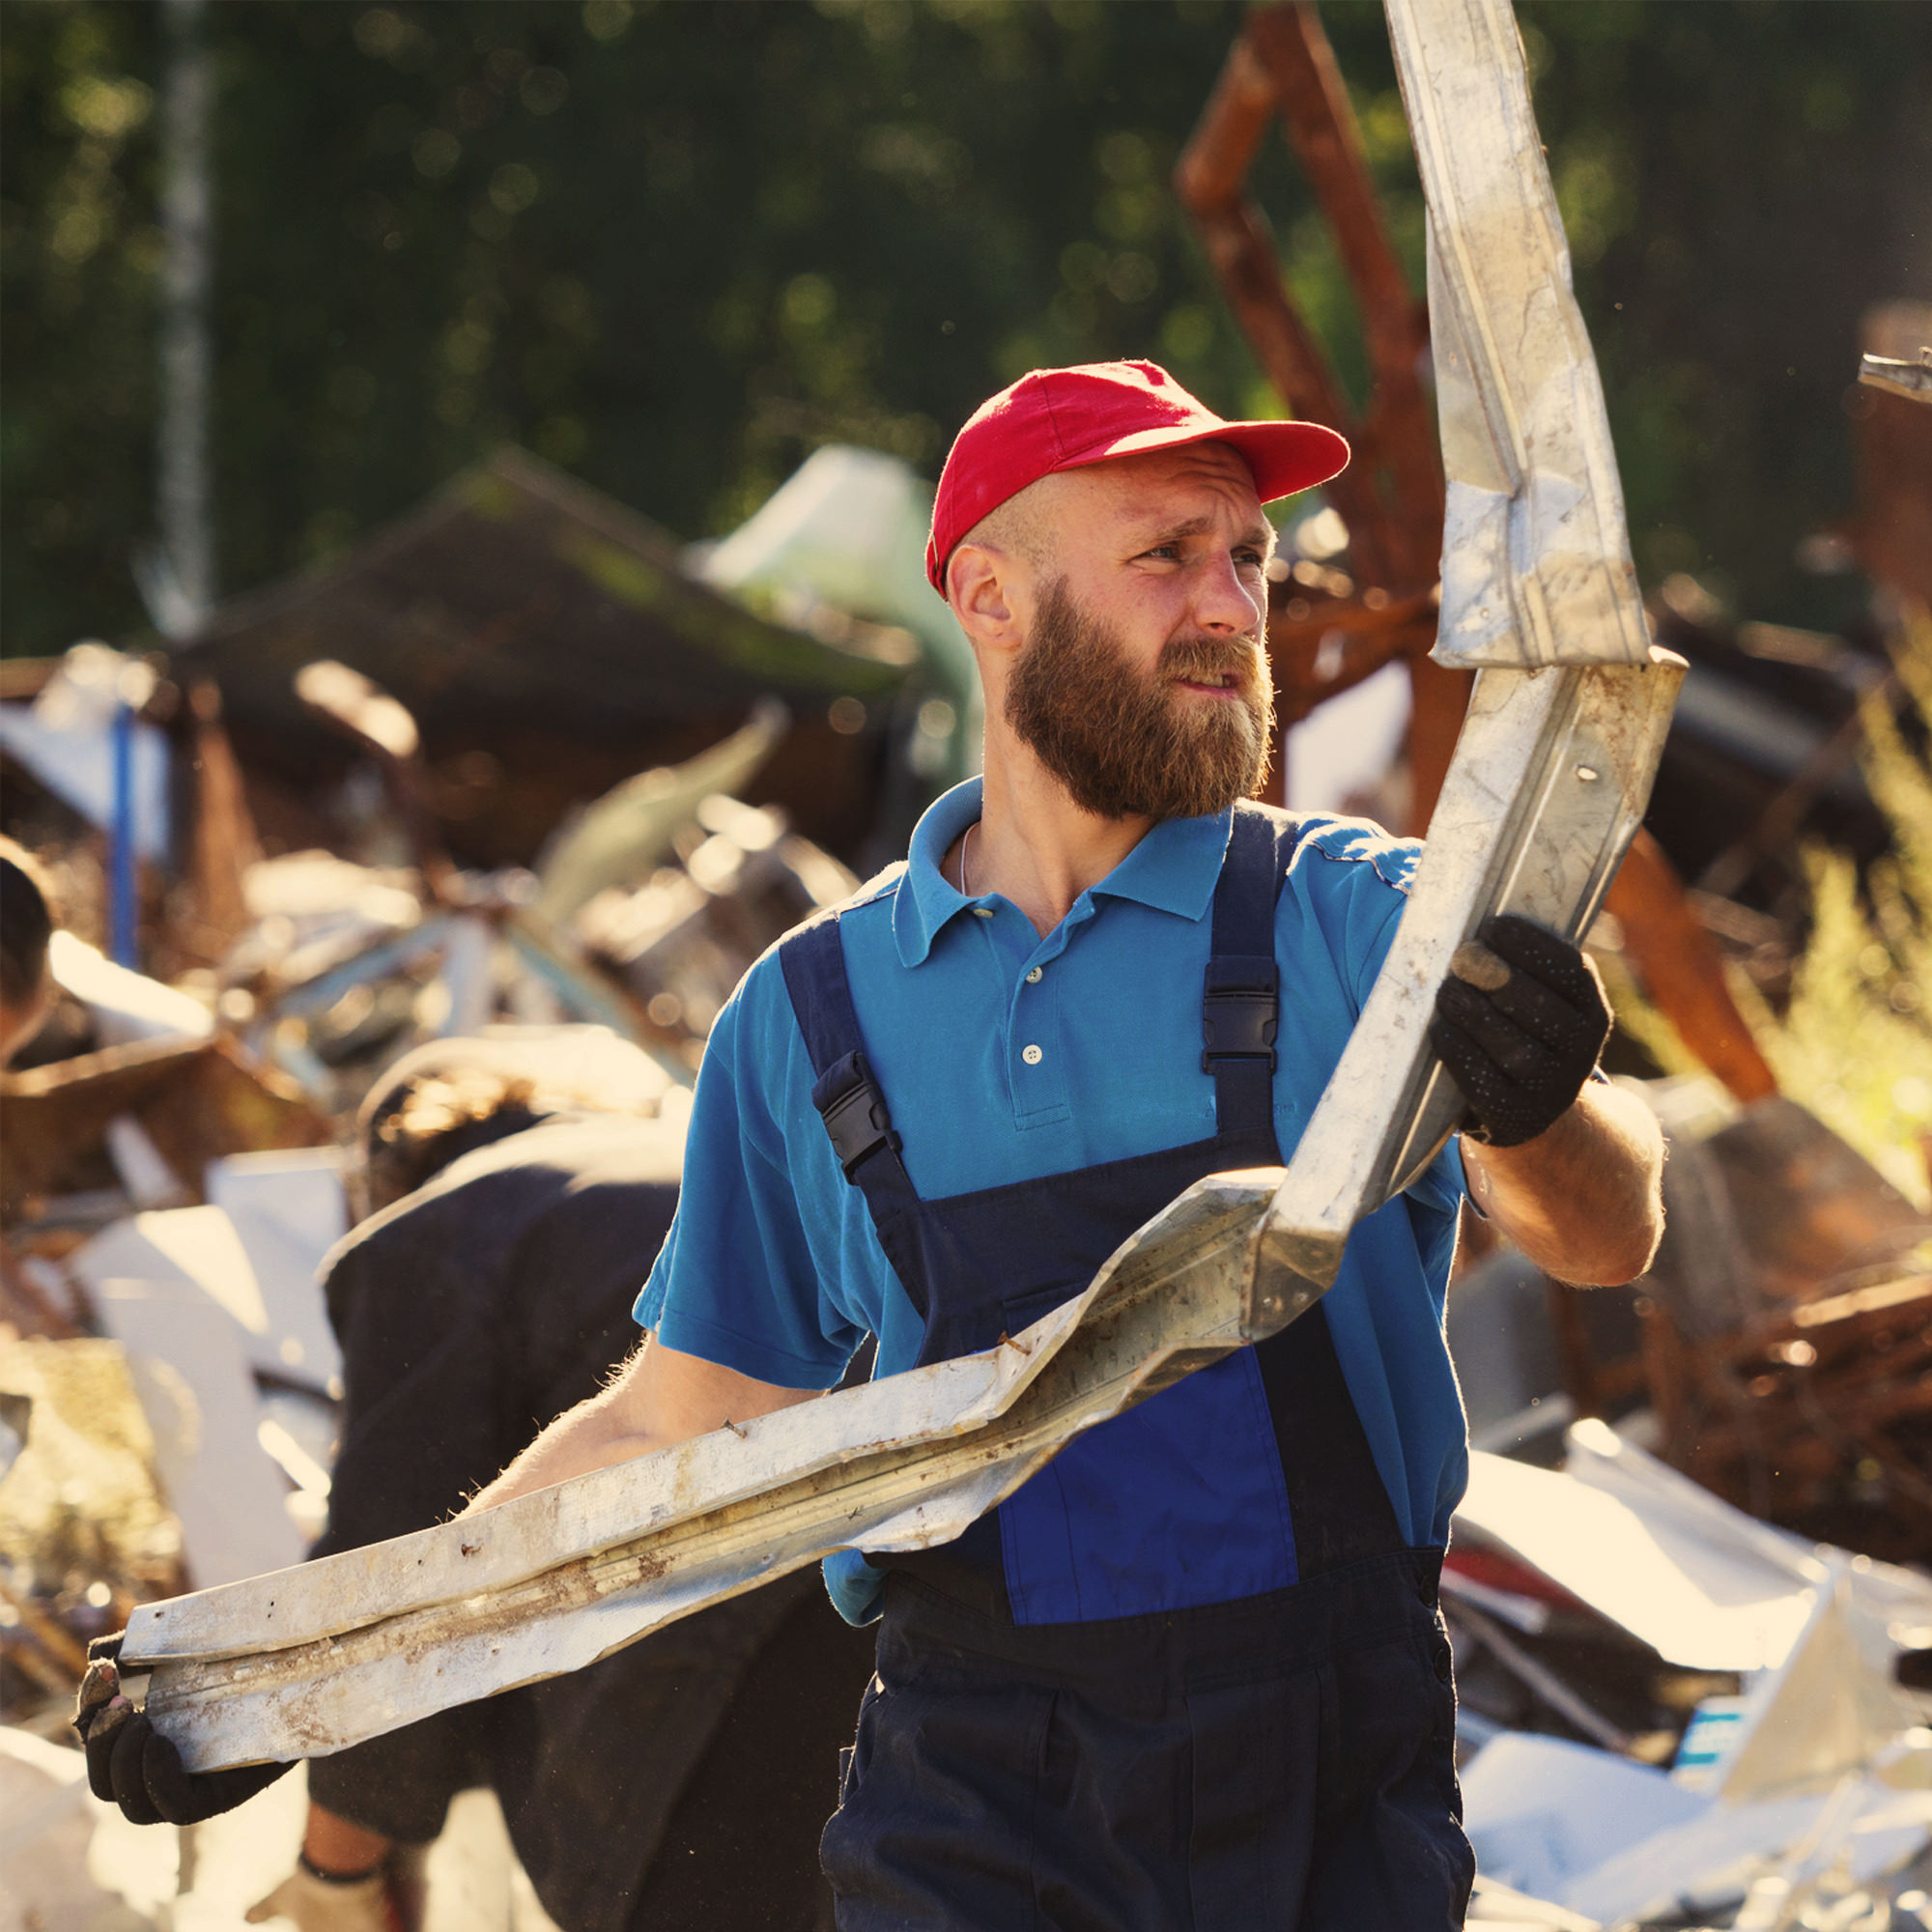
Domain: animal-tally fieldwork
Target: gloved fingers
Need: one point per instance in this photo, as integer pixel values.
(126, 1772)
(1473, 963)
(224, 1790)
(1548, 957)
(1540, 1010)
(168, 1784)
(132, 1765)
(1518, 1054)
(1548, 1016)
(1508, 1111)
(1547, 985)
(1481, 1080)
(101, 1725)
(185, 1796)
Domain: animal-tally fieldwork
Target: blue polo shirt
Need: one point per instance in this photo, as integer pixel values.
(1005, 1056)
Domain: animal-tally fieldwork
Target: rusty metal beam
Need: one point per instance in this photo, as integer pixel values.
(1682, 971)
(1210, 179)
(1398, 432)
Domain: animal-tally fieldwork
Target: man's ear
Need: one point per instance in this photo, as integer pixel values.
(985, 586)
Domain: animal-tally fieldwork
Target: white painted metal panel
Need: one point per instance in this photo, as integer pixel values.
(195, 1387)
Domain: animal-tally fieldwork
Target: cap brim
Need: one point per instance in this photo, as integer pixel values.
(1285, 457)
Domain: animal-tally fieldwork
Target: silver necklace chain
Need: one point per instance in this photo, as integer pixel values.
(965, 843)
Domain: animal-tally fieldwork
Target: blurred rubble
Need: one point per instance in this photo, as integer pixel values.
(1746, 1750)
(548, 643)
(174, 1169)
(1691, 1697)
(581, 846)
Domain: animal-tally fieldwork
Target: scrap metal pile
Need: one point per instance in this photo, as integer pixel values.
(1706, 1723)
(175, 1166)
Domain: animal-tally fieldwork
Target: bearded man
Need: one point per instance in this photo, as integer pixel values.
(1191, 1674)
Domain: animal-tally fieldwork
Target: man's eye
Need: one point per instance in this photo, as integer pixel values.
(1168, 552)
(1251, 557)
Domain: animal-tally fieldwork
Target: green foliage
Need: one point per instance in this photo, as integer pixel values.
(78, 257)
(1855, 1045)
(674, 244)
(1739, 183)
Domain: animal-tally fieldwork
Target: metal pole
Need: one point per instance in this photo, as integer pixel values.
(187, 358)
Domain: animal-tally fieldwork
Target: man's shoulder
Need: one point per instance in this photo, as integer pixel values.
(879, 891)
(1333, 852)
(761, 999)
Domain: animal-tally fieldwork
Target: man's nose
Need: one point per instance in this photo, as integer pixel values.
(1224, 603)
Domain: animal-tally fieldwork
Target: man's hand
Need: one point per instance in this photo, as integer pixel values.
(131, 1765)
(329, 1905)
(388, 1899)
(1518, 1024)
(1566, 1167)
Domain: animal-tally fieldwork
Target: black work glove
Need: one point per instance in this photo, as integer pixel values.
(1518, 1024)
(131, 1765)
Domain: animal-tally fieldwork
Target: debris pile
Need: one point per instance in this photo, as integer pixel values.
(174, 1171)
(1675, 1716)
(1689, 1694)
(1775, 1351)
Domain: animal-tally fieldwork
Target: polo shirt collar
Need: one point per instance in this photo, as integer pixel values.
(1174, 869)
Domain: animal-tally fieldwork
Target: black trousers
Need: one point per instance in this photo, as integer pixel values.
(1286, 1762)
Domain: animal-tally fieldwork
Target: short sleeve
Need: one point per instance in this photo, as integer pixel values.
(735, 1282)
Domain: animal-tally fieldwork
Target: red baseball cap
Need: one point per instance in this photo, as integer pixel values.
(1066, 418)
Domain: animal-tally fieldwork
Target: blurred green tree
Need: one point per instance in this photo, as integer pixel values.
(674, 245)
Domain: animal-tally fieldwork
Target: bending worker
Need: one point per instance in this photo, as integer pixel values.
(1192, 1673)
(674, 1787)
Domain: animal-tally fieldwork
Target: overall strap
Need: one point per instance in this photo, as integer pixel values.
(1241, 1004)
(848, 1099)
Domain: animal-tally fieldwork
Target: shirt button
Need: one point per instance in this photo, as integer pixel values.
(1032, 1055)
(1034, 978)
(982, 912)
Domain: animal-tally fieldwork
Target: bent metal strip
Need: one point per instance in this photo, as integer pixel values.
(1549, 783)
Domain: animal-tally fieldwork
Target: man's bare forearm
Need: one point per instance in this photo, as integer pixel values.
(335, 1844)
(657, 1399)
(1583, 1199)
(595, 1434)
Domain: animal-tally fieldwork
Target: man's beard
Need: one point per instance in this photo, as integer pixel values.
(1130, 747)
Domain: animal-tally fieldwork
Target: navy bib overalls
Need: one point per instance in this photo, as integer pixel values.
(1118, 1701)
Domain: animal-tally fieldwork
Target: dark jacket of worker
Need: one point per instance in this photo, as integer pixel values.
(684, 1780)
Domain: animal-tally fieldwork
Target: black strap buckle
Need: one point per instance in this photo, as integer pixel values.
(1241, 1011)
(854, 1112)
